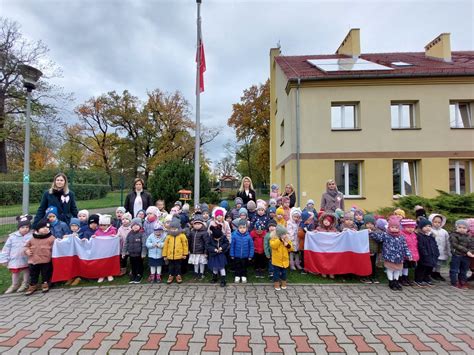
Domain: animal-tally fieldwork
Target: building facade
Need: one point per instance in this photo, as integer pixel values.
(382, 125)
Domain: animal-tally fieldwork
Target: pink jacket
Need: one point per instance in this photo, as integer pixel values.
(110, 232)
(412, 243)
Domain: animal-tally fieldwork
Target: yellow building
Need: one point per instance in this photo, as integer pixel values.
(382, 124)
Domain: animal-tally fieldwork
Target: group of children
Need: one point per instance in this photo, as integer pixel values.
(268, 234)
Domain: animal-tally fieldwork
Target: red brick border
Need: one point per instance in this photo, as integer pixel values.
(390, 346)
(466, 338)
(416, 342)
(272, 345)
(96, 340)
(38, 343)
(153, 341)
(12, 341)
(125, 340)
(212, 343)
(67, 342)
(446, 345)
(182, 341)
(242, 344)
(361, 344)
(331, 344)
(302, 345)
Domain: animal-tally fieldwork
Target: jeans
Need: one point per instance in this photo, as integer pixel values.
(279, 273)
(270, 266)
(458, 269)
(46, 271)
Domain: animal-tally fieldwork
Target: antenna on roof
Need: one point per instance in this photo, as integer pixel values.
(278, 44)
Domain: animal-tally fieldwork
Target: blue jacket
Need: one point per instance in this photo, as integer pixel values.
(263, 220)
(241, 245)
(86, 233)
(66, 209)
(155, 252)
(59, 229)
(394, 249)
(428, 250)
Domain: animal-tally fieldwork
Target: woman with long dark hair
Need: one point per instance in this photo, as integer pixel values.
(138, 199)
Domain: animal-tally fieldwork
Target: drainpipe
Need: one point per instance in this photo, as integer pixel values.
(298, 148)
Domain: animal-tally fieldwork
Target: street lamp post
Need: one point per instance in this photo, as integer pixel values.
(30, 78)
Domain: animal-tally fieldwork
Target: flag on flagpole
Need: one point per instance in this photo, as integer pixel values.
(337, 253)
(202, 64)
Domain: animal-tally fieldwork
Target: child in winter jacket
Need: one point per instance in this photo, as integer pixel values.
(197, 237)
(280, 243)
(83, 216)
(251, 210)
(292, 227)
(155, 243)
(258, 237)
(429, 253)
(117, 221)
(408, 231)
(135, 248)
(39, 250)
(261, 216)
(106, 229)
(237, 206)
(348, 222)
(442, 240)
(327, 223)
(394, 251)
(124, 229)
(13, 254)
(280, 216)
(266, 245)
(369, 224)
(275, 191)
(217, 246)
(152, 216)
(58, 228)
(218, 219)
(358, 219)
(74, 226)
(87, 231)
(241, 251)
(175, 250)
(462, 248)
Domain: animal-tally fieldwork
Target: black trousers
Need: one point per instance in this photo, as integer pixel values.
(123, 261)
(136, 263)
(46, 271)
(422, 272)
(240, 267)
(174, 267)
(373, 262)
(260, 261)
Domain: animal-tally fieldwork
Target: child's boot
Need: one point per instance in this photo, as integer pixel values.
(31, 290)
(276, 285)
(391, 285)
(214, 278)
(12, 289)
(404, 280)
(123, 271)
(292, 265)
(179, 279)
(158, 278)
(23, 287)
(283, 284)
(398, 286)
(298, 264)
(223, 281)
(76, 281)
(44, 287)
(170, 279)
(151, 278)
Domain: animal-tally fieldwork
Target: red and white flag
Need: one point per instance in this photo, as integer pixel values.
(201, 59)
(338, 253)
(91, 259)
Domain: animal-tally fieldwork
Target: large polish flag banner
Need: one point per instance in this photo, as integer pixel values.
(91, 259)
(337, 253)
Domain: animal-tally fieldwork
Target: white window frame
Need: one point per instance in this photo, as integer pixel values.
(412, 118)
(355, 119)
(457, 176)
(457, 117)
(345, 165)
(282, 132)
(402, 177)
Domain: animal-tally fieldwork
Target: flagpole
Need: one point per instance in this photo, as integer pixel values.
(197, 145)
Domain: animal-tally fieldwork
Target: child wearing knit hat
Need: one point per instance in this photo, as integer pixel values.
(348, 222)
(83, 216)
(218, 219)
(275, 191)
(237, 206)
(175, 250)
(292, 228)
(258, 237)
(281, 247)
(462, 248)
(124, 229)
(106, 229)
(117, 221)
(428, 251)
(135, 248)
(217, 246)
(272, 224)
(441, 236)
(155, 243)
(374, 249)
(280, 216)
(408, 231)
(241, 251)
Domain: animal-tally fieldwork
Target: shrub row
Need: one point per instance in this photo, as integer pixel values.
(77, 176)
(11, 192)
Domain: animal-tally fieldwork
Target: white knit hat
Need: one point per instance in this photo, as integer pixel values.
(105, 219)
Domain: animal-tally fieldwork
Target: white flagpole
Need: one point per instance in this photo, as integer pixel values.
(197, 145)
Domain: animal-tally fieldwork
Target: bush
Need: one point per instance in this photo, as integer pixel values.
(11, 193)
(77, 176)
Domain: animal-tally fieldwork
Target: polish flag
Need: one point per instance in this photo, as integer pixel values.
(337, 253)
(91, 259)
(201, 58)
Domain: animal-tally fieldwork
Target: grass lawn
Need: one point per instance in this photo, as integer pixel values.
(111, 200)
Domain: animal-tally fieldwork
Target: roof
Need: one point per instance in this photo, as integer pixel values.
(462, 64)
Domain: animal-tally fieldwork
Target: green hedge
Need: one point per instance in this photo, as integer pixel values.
(77, 176)
(11, 192)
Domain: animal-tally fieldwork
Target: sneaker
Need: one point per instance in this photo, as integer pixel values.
(110, 278)
(138, 279)
(283, 285)
(429, 282)
(11, 289)
(170, 279)
(179, 279)
(463, 286)
(303, 272)
(366, 281)
(375, 281)
(44, 287)
(223, 281)
(201, 277)
(421, 284)
(22, 288)
(404, 281)
(68, 282)
(441, 278)
(132, 281)
(237, 279)
(76, 281)
(244, 280)
(31, 289)
(276, 286)
(100, 280)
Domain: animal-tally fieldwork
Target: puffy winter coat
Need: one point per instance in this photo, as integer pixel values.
(412, 243)
(13, 252)
(441, 236)
(428, 250)
(241, 245)
(65, 203)
(135, 244)
(262, 220)
(155, 245)
(258, 241)
(292, 228)
(266, 245)
(42, 248)
(394, 248)
(280, 252)
(197, 240)
(224, 226)
(461, 244)
(176, 247)
(122, 234)
(212, 244)
(59, 229)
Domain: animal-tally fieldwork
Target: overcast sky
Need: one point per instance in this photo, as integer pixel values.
(140, 45)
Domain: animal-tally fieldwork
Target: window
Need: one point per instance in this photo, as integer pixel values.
(344, 116)
(348, 174)
(460, 115)
(404, 177)
(403, 115)
(282, 132)
(460, 176)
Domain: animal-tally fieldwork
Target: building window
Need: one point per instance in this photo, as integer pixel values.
(460, 176)
(344, 116)
(282, 132)
(348, 178)
(405, 177)
(460, 114)
(403, 115)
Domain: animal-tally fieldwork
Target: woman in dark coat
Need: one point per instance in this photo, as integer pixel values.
(246, 191)
(138, 199)
(290, 192)
(60, 197)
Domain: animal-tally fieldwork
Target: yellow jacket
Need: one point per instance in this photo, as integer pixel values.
(175, 248)
(280, 252)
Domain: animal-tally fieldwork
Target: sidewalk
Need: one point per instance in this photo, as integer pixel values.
(239, 318)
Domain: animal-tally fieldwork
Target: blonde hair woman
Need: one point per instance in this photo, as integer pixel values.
(332, 199)
(290, 192)
(60, 197)
(246, 191)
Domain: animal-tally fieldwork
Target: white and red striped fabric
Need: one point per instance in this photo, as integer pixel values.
(91, 259)
(337, 253)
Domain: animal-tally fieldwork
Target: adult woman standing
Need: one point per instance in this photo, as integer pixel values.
(246, 191)
(332, 199)
(290, 192)
(138, 199)
(60, 197)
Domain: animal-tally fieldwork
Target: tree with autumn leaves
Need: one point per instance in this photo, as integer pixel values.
(251, 120)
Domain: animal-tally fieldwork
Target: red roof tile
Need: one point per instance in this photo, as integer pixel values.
(462, 64)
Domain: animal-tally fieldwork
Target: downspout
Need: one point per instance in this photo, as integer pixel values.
(298, 148)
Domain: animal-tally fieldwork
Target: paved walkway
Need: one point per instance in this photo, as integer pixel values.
(239, 318)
